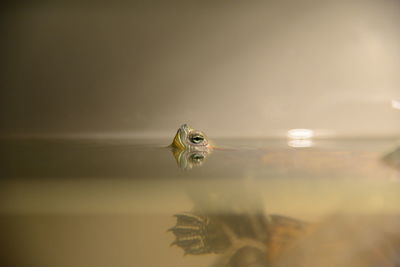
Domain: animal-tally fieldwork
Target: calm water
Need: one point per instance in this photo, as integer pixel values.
(251, 203)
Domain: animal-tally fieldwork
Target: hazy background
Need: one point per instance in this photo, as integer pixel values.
(231, 68)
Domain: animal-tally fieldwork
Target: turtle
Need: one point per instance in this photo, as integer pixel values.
(247, 238)
(229, 234)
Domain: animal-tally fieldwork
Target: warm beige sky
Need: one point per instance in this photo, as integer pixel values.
(231, 68)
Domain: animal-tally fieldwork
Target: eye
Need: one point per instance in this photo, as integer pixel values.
(197, 158)
(197, 138)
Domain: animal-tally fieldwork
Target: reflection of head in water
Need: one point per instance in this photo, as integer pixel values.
(190, 139)
(187, 159)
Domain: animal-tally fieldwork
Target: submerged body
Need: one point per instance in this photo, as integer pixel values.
(201, 233)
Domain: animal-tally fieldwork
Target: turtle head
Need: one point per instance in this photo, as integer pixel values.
(189, 138)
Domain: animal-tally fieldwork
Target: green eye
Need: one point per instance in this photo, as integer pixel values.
(197, 139)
